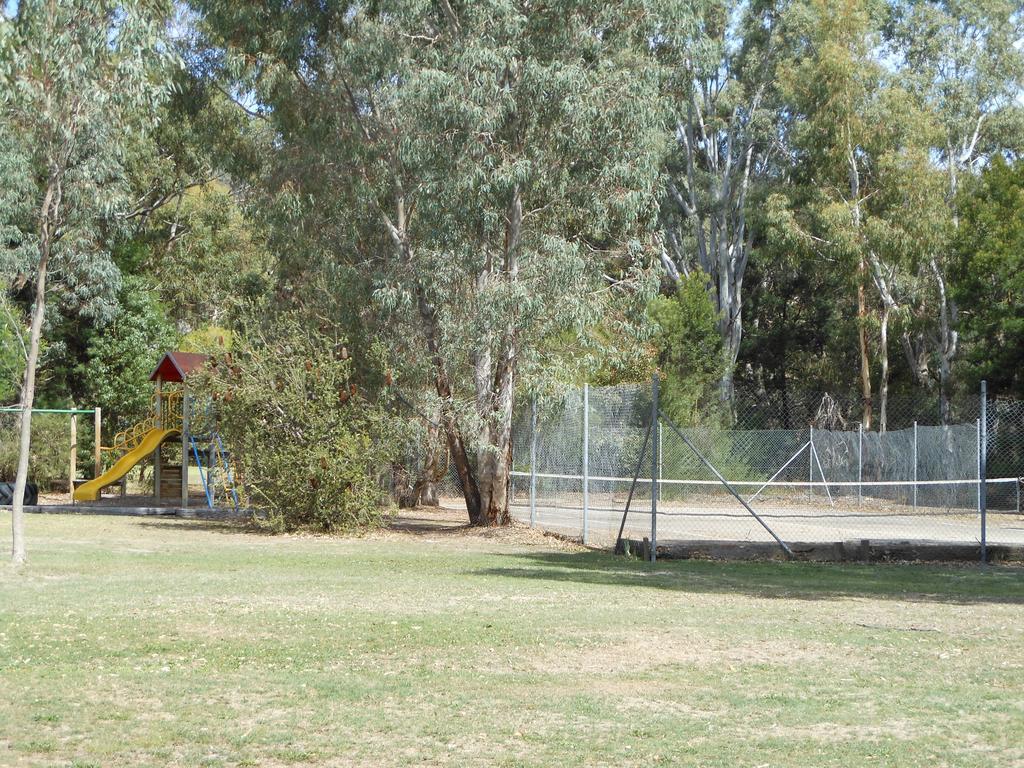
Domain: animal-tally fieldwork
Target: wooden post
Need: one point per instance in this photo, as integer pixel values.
(73, 458)
(184, 445)
(97, 423)
(156, 453)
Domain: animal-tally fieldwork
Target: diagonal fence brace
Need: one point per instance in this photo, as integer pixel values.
(771, 479)
(814, 453)
(723, 481)
(632, 488)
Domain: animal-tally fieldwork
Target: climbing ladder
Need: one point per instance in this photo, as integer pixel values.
(216, 472)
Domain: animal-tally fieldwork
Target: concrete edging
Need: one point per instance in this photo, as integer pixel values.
(190, 513)
(854, 550)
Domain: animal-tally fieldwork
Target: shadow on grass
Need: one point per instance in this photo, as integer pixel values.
(954, 584)
(406, 523)
(403, 523)
(237, 526)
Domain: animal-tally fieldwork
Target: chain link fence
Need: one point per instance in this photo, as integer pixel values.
(582, 458)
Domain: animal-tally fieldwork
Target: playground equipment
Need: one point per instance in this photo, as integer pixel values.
(170, 422)
(148, 443)
(214, 464)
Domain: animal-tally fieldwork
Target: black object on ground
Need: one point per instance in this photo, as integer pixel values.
(7, 494)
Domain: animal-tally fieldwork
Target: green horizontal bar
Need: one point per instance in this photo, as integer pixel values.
(49, 410)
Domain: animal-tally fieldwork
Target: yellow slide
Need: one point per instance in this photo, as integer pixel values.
(90, 491)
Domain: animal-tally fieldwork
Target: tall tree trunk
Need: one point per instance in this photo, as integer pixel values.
(884, 280)
(865, 360)
(715, 211)
(730, 317)
(434, 468)
(495, 387)
(442, 382)
(783, 365)
(862, 306)
(420, 489)
(915, 351)
(51, 201)
(449, 421)
(428, 495)
(494, 455)
(883, 384)
(948, 339)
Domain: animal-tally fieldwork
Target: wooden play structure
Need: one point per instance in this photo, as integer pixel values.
(169, 422)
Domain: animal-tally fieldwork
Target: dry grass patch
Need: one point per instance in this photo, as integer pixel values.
(131, 642)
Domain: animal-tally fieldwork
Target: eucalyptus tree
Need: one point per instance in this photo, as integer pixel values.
(906, 220)
(834, 88)
(491, 165)
(77, 77)
(988, 276)
(865, 193)
(964, 64)
(726, 129)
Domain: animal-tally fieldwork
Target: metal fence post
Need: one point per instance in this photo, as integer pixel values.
(586, 463)
(977, 443)
(97, 431)
(810, 463)
(860, 463)
(533, 461)
(73, 457)
(983, 466)
(661, 459)
(915, 467)
(654, 467)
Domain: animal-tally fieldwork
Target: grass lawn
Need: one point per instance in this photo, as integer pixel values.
(131, 642)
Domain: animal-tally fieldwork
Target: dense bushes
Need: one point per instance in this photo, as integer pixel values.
(51, 445)
(690, 353)
(308, 447)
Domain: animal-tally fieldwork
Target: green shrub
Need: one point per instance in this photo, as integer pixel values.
(308, 448)
(690, 353)
(51, 446)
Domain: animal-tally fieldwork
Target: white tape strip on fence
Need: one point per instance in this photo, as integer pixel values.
(741, 514)
(776, 483)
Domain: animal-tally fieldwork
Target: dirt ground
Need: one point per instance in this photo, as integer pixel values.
(450, 521)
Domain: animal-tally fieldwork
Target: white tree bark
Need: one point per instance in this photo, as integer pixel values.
(495, 388)
(883, 279)
(50, 206)
(710, 197)
(867, 404)
(947, 341)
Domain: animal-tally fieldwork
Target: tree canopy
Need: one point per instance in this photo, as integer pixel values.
(762, 201)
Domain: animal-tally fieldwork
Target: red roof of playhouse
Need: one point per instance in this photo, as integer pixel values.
(175, 366)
